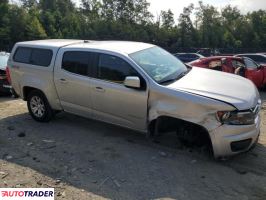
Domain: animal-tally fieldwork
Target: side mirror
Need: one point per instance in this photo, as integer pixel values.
(132, 82)
(260, 67)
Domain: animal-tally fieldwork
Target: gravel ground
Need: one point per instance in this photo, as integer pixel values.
(86, 159)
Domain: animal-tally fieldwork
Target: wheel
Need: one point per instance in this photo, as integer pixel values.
(38, 107)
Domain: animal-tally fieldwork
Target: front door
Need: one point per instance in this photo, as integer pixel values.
(112, 101)
(253, 72)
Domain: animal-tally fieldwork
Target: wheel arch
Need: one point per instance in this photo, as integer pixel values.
(169, 123)
(28, 89)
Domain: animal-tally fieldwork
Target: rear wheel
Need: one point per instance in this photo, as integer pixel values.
(38, 106)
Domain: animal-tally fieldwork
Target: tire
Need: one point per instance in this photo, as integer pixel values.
(38, 107)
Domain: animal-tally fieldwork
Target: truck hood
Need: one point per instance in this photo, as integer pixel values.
(229, 88)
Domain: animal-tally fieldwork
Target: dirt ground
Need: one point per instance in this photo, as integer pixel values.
(86, 159)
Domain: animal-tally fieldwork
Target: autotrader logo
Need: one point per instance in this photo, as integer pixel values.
(27, 193)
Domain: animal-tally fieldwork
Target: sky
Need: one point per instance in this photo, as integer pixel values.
(177, 5)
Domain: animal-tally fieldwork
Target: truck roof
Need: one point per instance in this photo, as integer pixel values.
(115, 46)
(50, 43)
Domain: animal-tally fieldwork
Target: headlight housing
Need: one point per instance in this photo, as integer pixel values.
(237, 117)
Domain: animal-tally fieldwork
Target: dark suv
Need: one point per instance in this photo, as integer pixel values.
(188, 57)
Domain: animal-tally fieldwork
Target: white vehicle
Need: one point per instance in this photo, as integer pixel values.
(139, 86)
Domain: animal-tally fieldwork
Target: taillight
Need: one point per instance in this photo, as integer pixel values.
(8, 75)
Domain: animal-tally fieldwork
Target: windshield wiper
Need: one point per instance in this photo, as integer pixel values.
(174, 79)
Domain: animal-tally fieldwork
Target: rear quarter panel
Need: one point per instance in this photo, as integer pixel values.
(39, 77)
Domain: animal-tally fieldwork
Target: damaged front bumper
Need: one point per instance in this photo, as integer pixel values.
(228, 140)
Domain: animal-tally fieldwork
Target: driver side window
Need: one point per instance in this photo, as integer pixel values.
(250, 64)
(114, 69)
(237, 63)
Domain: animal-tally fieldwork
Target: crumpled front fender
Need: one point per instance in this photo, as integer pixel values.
(186, 106)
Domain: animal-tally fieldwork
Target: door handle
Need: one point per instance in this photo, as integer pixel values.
(99, 89)
(62, 80)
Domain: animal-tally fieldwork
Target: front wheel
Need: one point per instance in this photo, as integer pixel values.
(38, 107)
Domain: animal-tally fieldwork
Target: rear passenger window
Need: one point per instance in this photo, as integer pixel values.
(114, 69)
(76, 62)
(33, 56)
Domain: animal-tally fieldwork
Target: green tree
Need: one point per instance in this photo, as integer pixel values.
(91, 9)
(257, 21)
(131, 20)
(29, 3)
(126, 11)
(4, 24)
(185, 25)
(168, 21)
(208, 20)
(34, 29)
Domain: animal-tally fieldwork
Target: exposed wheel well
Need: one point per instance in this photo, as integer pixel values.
(27, 90)
(183, 129)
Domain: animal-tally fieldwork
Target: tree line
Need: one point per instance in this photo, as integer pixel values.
(200, 25)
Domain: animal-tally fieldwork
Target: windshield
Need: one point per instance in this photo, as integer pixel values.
(160, 65)
(3, 61)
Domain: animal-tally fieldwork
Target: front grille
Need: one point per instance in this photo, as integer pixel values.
(256, 110)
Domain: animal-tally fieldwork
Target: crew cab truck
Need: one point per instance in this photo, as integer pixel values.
(139, 86)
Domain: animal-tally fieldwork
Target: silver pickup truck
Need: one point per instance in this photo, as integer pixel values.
(139, 86)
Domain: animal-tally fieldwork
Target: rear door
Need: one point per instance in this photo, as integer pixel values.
(112, 101)
(253, 72)
(72, 81)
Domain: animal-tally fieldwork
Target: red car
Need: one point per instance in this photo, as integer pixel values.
(236, 65)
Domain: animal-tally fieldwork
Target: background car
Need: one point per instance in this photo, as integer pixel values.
(257, 57)
(243, 66)
(208, 52)
(188, 57)
(3, 78)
